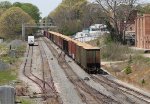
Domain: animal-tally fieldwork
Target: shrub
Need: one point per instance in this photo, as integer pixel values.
(143, 82)
(115, 52)
(128, 70)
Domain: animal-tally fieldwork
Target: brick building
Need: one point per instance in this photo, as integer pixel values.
(143, 31)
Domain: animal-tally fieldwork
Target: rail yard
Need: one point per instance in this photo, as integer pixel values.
(61, 80)
(80, 52)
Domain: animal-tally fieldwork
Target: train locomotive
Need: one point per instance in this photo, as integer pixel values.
(31, 40)
(87, 56)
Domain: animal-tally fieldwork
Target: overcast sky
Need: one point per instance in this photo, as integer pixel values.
(46, 6)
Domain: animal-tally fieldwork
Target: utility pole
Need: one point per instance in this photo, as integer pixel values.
(23, 32)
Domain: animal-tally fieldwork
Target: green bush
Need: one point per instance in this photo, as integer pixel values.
(143, 81)
(128, 70)
(115, 52)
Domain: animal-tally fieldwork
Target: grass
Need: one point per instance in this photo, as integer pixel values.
(9, 75)
(6, 76)
(140, 70)
(25, 100)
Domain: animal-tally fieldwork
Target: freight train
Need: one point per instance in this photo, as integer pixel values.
(87, 56)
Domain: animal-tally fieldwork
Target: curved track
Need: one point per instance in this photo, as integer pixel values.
(47, 88)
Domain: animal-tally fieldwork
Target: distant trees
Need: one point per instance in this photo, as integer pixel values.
(13, 15)
(143, 9)
(4, 5)
(67, 16)
(31, 9)
(72, 16)
(11, 21)
(117, 10)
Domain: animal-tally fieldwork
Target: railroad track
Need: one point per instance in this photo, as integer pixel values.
(88, 94)
(48, 92)
(47, 77)
(121, 88)
(27, 70)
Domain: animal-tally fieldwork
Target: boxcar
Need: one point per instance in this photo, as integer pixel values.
(78, 53)
(73, 49)
(90, 60)
(70, 47)
(65, 46)
(60, 41)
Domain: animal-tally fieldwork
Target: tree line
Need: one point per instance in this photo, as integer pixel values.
(72, 16)
(12, 16)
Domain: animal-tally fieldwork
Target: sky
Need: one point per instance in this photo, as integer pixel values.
(45, 6)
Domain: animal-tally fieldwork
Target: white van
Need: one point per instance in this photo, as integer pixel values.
(31, 40)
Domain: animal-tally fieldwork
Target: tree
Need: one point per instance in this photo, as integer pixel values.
(11, 21)
(17, 4)
(117, 10)
(72, 16)
(67, 16)
(143, 9)
(31, 9)
(5, 4)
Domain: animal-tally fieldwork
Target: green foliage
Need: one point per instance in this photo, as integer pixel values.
(6, 76)
(143, 9)
(31, 9)
(67, 16)
(141, 59)
(128, 70)
(97, 43)
(5, 4)
(8, 59)
(25, 100)
(143, 81)
(108, 39)
(115, 52)
(11, 21)
(17, 4)
(72, 16)
(114, 37)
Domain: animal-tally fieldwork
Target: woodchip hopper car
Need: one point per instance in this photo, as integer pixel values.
(87, 56)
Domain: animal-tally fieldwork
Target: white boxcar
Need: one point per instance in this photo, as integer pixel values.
(31, 40)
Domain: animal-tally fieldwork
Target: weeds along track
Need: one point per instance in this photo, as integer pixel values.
(121, 88)
(88, 94)
(45, 87)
